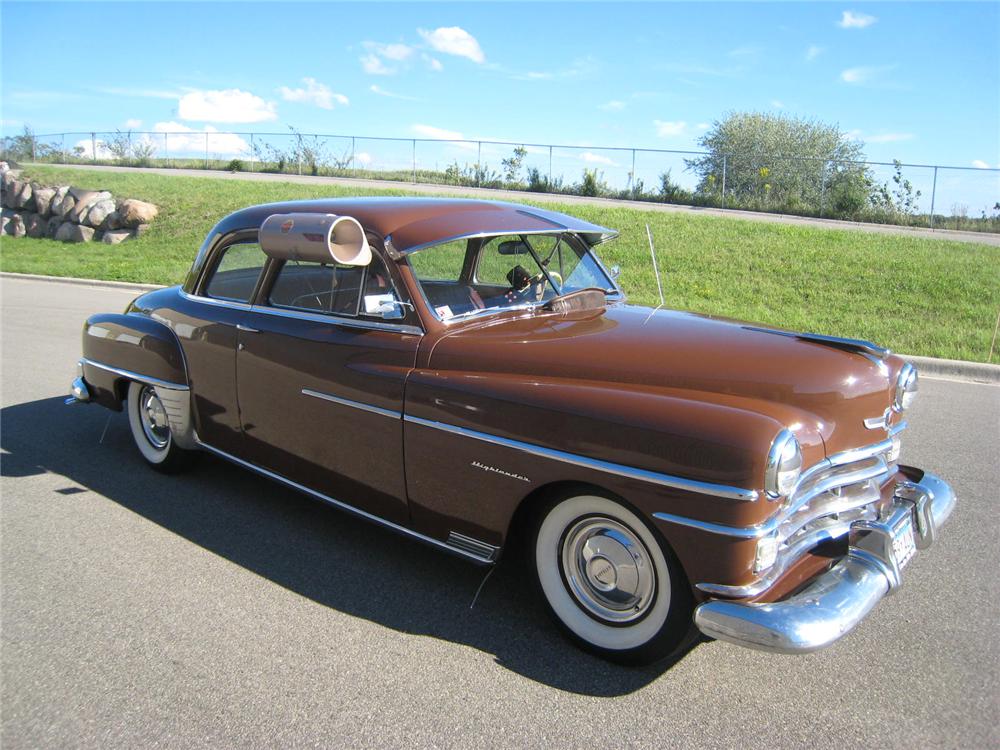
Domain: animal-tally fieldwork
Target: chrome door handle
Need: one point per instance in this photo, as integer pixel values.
(246, 329)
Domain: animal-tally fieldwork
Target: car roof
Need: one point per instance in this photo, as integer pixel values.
(409, 224)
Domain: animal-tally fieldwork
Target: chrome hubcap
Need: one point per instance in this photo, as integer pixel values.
(608, 569)
(154, 418)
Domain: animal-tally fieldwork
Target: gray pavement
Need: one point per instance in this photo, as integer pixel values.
(218, 609)
(519, 196)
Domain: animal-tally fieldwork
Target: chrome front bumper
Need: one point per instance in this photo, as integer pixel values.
(836, 601)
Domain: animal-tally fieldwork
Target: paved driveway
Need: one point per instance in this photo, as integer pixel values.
(219, 609)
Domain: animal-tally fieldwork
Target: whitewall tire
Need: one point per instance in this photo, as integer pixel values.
(147, 419)
(609, 581)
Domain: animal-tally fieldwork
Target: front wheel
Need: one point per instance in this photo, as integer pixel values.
(147, 418)
(609, 582)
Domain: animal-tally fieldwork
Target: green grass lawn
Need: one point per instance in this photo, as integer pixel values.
(920, 296)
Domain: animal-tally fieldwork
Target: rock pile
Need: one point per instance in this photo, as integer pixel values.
(69, 214)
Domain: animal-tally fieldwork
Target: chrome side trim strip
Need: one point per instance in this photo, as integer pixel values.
(664, 480)
(476, 547)
(342, 505)
(136, 376)
(332, 319)
(212, 301)
(356, 404)
(740, 532)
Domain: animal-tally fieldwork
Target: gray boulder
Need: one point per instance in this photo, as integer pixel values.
(65, 206)
(35, 225)
(115, 236)
(53, 226)
(140, 230)
(55, 205)
(99, 212)
(134, 213)
(25, 198)
(43, 200)
(70, 232)
(84, 200)
(16, 227)
(113, 221)
(10, 197)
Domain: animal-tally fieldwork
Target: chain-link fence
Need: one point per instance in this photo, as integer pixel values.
(886, 192)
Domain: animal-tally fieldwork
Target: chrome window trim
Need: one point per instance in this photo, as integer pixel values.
(355, 404)
(214, 301)
(135, 376)
(344, 506)
(664, 480)
(334, 319)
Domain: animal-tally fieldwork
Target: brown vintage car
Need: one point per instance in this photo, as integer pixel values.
(466, 371)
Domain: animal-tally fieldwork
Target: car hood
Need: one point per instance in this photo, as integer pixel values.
(821, 391)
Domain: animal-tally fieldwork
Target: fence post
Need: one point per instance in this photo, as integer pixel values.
(723, 180)
(414, 161)
(166, 150)
(206, 149)
(479, 163)
(93, 146)
(933, 196)
(550, 167)
(822, 189)
(631, 175)
(252, 153)
(129, 147)
(354, 165)
(62, 147)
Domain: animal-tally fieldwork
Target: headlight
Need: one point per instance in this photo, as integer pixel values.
(784, 465)
(906, 388)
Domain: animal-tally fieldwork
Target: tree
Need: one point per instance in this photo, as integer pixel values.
(782, 162)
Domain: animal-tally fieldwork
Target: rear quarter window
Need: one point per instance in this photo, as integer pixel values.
(236, 273)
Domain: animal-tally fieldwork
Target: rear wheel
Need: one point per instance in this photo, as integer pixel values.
(151, 430)
(608, 580)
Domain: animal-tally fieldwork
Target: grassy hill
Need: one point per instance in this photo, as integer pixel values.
(916, 295)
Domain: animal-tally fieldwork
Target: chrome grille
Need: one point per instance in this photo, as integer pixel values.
(828, 498)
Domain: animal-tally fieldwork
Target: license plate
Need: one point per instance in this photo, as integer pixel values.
(903, 545)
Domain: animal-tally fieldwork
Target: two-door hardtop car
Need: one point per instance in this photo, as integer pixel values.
(461, 371)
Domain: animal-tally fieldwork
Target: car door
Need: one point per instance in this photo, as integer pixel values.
(320, 382)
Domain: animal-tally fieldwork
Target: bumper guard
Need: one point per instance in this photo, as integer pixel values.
(836, 601)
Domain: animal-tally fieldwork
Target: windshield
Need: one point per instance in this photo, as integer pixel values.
(487, 274)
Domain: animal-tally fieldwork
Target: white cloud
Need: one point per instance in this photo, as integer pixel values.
(396, 52)
(889, 137)
(590, 158)
(703, 126)
(132, 124)
(852, 20)
(454, 40)
(665, 129)
(615, 105)
(980, 164)
(86, 148)
(363, 158)
(864, 74)
(228, 105)
(813, 52)
(440, 134)
(314, 93)
(391, 94)
(373, 65)
(777, 104)
(182, 139)
(432, 62)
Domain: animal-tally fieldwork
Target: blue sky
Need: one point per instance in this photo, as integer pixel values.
(915, 81)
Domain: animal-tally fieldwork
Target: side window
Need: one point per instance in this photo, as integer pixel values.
(442, 262)
(378, 286)
(318, 287)
(236, 273)
(493, 267)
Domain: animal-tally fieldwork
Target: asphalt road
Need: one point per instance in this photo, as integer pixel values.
(218, 609)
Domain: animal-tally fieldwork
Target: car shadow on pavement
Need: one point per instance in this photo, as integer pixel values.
(316, 551)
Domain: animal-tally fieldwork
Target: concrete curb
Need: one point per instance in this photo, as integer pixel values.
(955, 369)
(952, 369)
(82, 282)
